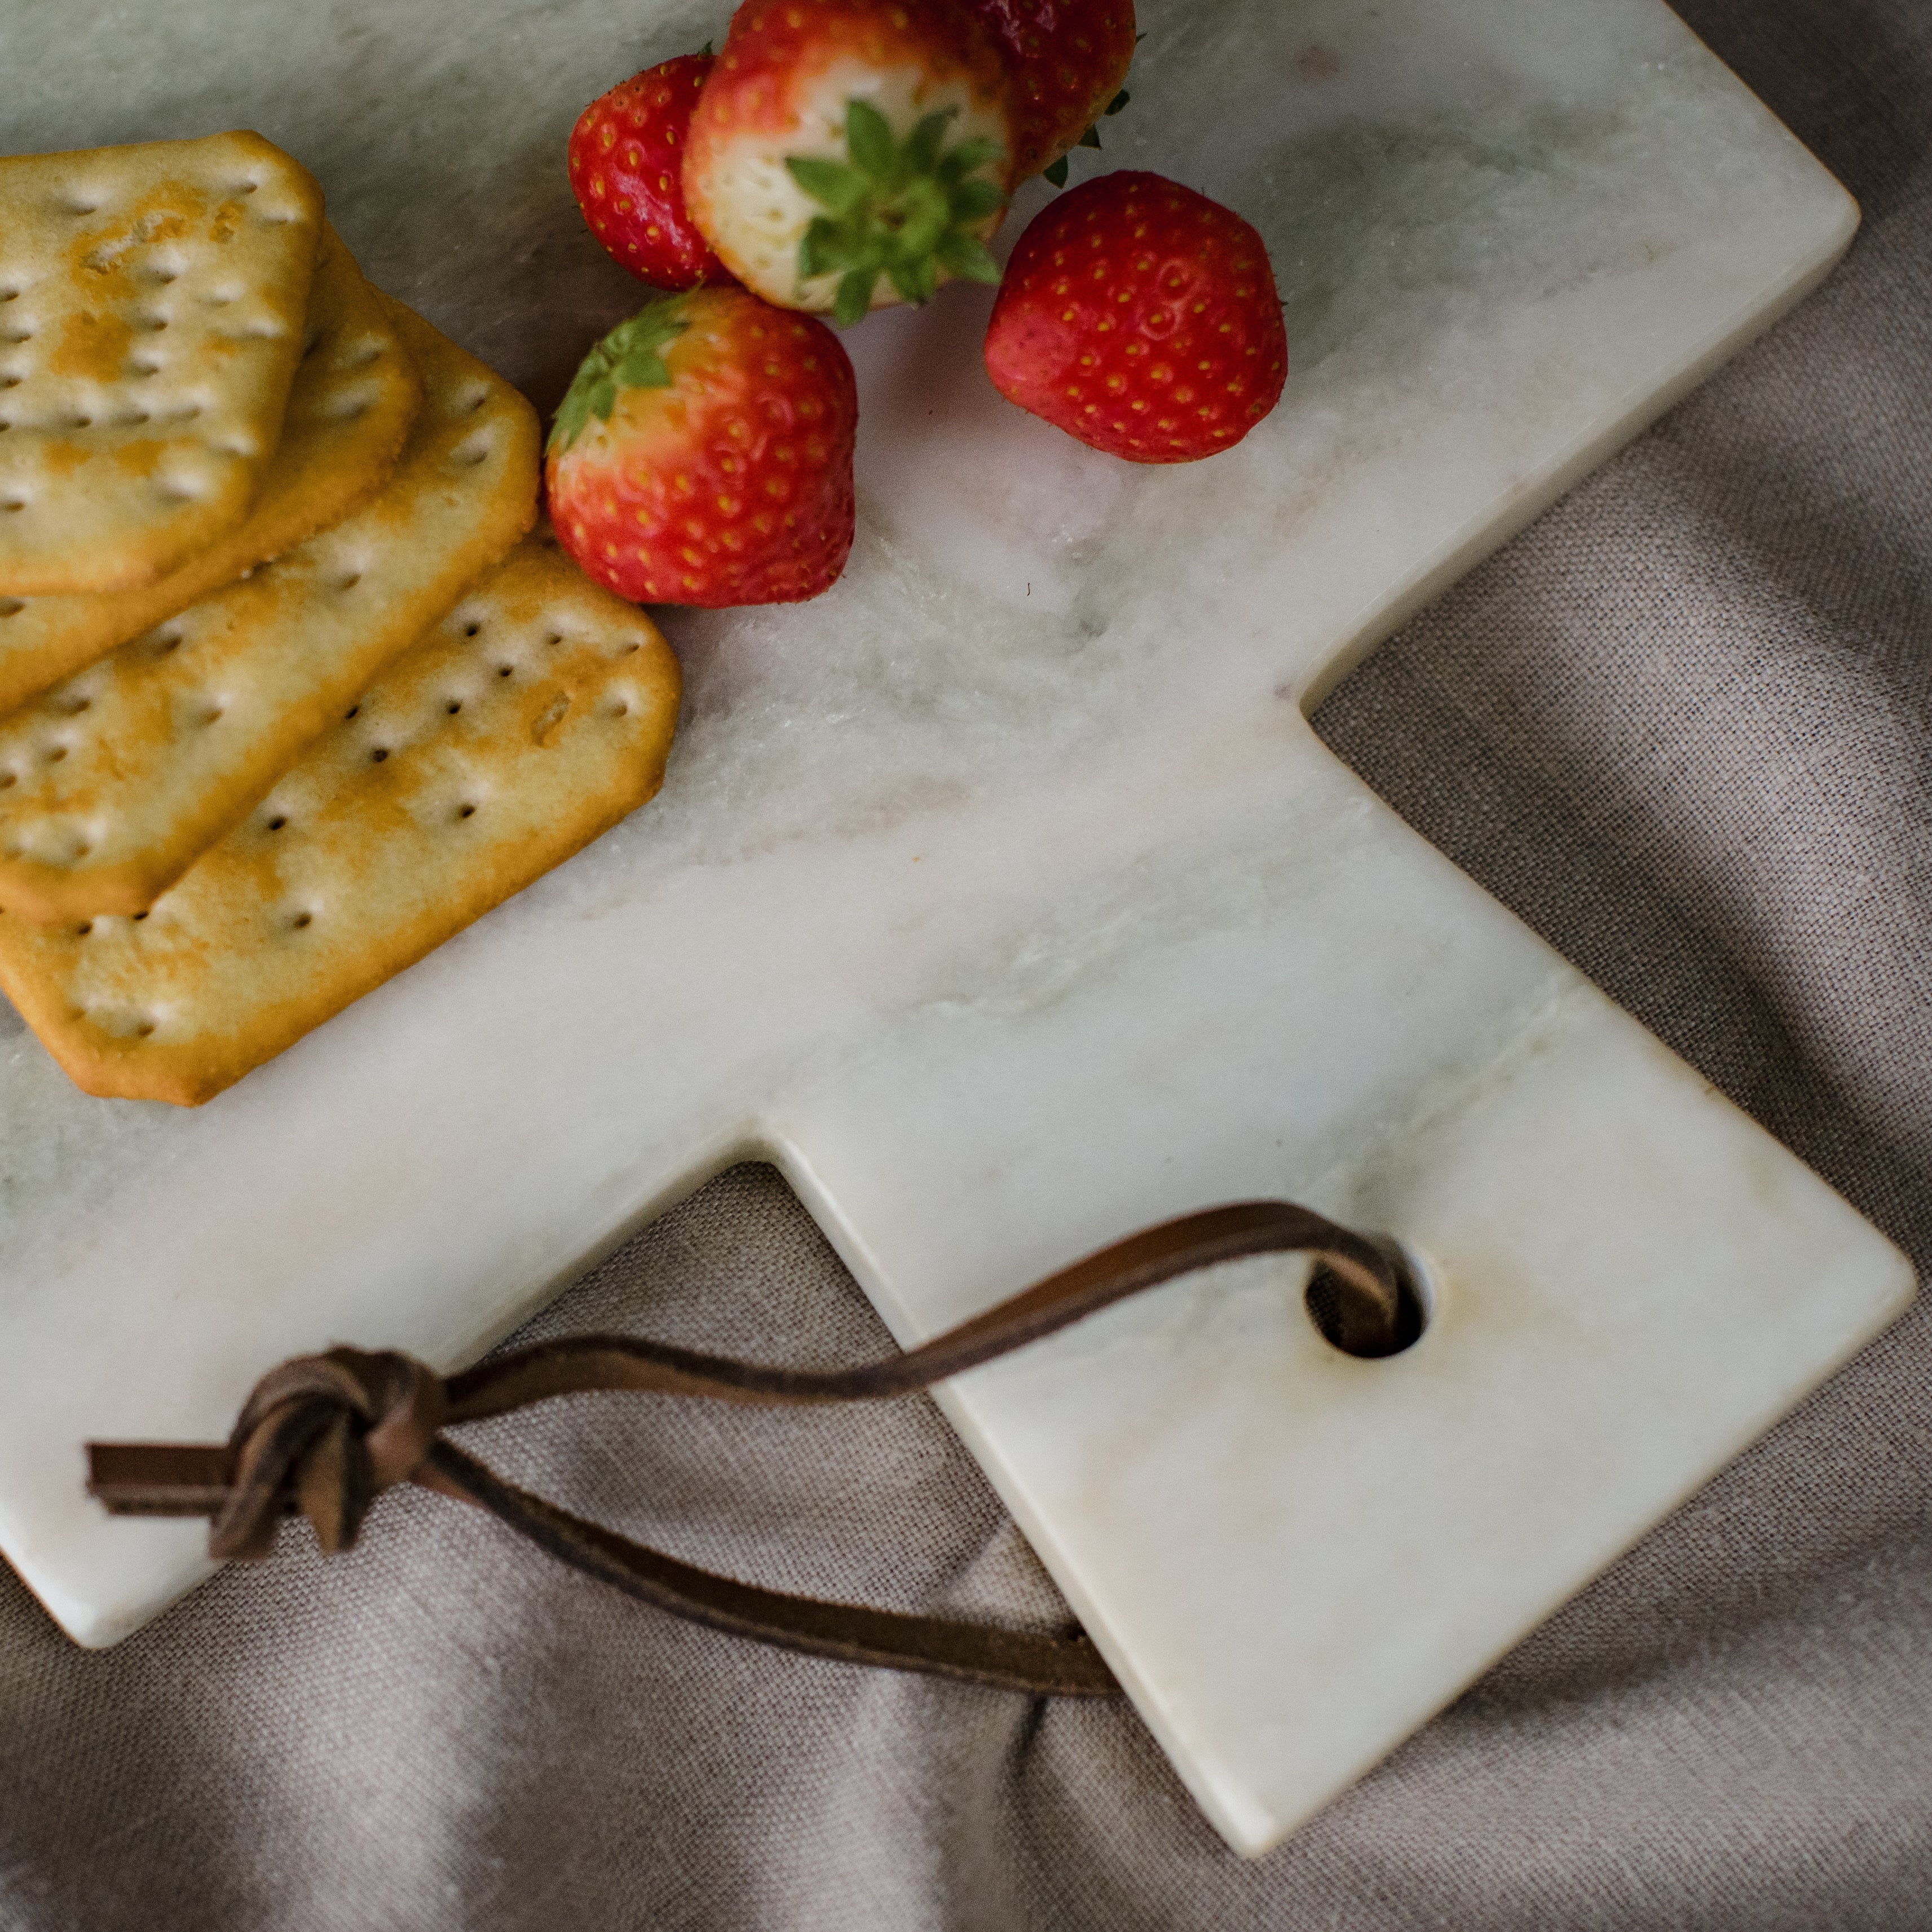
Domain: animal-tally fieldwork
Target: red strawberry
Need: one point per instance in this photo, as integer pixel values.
(1142, 318)
(703, 454)
(627, 172)
(846, 154)
(1068, 59)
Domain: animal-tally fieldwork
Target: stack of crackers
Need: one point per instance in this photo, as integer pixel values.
(290, 690)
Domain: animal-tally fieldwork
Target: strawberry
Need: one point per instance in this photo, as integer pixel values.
(1142, 318)
(627, 172)
(848, 154)
(703, 454)
(1068, 59)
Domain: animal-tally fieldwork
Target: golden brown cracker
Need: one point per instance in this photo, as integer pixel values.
(151, 308)
(355, 394)
(114, 780)
(536, 715)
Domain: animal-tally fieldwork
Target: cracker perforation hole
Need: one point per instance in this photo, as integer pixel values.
(145, 1028)
(466, 811)
(76, 706)
(470, 630)
(505, 670)
(140, 915)
(381, 752)
(350, 712)
(280, 820)
(470, 453)
(11, 607)
(55, 753)
(8, 778)
(349, 582)
(301, 920)
(454, 705)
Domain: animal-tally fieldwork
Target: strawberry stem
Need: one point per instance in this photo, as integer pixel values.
(631, 357)
(902, 209)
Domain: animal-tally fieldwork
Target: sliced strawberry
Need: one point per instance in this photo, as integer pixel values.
(1142, 318)
(1069, 60)
(703, 454)
(627, 172)
(848, 154)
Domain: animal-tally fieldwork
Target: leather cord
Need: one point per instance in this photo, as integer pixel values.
(322, 1436)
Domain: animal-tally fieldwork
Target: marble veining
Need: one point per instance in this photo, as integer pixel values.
(1004, 896)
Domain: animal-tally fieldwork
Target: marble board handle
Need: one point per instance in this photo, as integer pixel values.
(322, 1436)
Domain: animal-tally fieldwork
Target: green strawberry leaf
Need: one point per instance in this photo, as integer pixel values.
(917, 281)
(1119, 101)
(831, 184)
(1056, 172)
(968, 158)
(631, 357)
(965, 256)
(902, 209)
(976, 199)
(820, 253)
(1091, 138)
(925, 143)
(855, 296)
(869, 137)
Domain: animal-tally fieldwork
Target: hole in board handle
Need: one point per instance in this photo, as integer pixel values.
(1345, 1319)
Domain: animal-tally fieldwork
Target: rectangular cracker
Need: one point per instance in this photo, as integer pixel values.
(534, 717)
(113, 782)
(354, 395)
(152, 303)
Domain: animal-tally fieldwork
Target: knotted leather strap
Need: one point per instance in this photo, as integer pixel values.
(322, 1436)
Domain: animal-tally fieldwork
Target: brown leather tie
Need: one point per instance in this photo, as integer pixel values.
(322, 1436)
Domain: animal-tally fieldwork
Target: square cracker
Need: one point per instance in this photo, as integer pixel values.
(534, 717)
(355, 394)
(112, 782)
(151, 303)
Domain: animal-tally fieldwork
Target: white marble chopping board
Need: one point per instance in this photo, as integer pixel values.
(1005, 897)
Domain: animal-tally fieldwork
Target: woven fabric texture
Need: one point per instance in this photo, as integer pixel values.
(1682, 727)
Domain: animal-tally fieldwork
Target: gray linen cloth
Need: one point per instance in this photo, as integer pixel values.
(1680, 726)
